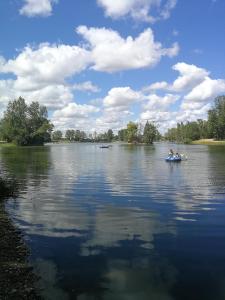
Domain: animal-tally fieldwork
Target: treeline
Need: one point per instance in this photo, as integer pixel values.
(133, 133)
(213, 127)
(25, 124)
(73, 135)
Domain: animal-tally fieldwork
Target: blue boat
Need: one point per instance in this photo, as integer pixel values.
(173, 159)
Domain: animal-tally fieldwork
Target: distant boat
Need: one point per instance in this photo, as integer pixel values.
(104, 146)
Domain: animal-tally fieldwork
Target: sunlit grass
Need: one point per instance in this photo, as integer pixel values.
(208, 142)
(3, 144)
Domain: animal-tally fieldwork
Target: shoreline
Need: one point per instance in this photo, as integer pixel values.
(208, 142)
(17, 280)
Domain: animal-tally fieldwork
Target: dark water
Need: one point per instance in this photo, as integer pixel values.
(121, 223)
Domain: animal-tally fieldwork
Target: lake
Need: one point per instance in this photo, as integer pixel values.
(121, 223)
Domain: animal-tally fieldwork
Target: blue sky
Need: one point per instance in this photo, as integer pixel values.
(96, 64)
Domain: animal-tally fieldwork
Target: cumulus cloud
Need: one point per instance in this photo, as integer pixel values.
(47, 64)
(203, 93)
(160, 103)
(194, 89)
(117, 106)
(112, 53)
(74, 110)
(121, 97)
(32, 8)
(190, 76)
(159, 117)
(86, 86)
(141, 10)
(41, 74)
(52, 96)
(75, 115)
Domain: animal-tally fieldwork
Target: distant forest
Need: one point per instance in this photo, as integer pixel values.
(213, 127)
(133, 133)
(24, 124)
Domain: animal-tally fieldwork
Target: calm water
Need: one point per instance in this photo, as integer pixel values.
(121, 223)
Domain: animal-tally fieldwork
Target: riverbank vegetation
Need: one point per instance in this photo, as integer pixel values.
(137, 133)
(24, 124)
(133, 133)
(208, 142)
(213, 128)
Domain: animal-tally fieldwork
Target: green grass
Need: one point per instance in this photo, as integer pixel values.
(208, 142)
(3, 144)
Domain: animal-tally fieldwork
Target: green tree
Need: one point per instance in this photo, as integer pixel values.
(70, 135)
(216, 119)
(122, 135)
(24, 124)
(110, 135)
(132, 130)
(57, 135)
(150, 133)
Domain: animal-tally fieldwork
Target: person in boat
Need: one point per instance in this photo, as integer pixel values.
(171, 153)
(177, 155)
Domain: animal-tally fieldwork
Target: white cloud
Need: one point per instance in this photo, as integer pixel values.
(190, 76)
(113, 118)
(112, 53)
(86, 86)
(121, 97)
(195, 91)
(162, 85)
(198, 111)
(203, 93)
(47, 64)
(116, 111)
(156, 102)
(141, 10)
(34, 8)
(74, 110)
(52, 96)
(156, 116)
(79, 116)
(6, 93)
(41, 74)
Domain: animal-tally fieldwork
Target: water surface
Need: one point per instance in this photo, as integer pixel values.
(121, 223)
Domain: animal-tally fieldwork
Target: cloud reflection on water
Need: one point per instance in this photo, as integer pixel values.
(109, 201)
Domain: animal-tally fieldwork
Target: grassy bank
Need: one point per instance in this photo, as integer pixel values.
(208, 142)
(17, 280)
(3, 144)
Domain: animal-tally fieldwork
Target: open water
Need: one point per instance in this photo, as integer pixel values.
(121, 223)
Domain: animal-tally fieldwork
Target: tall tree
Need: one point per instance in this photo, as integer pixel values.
(122, 135)
(132, 130)
(150, 133)
(110, 135)
(70, 135)
(26, 124)
(57, 135)
(216, 119)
